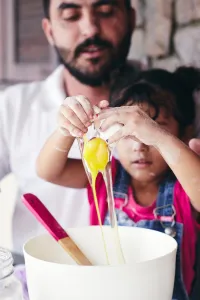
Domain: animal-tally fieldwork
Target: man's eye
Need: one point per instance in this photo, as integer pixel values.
(72, 18)
(105, 10)
(70, 15)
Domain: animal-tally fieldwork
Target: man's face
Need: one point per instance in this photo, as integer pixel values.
(92, 37)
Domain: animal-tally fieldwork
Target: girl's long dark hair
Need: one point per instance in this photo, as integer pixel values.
(159, 88)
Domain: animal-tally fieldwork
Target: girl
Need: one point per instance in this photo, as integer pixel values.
(156, 177)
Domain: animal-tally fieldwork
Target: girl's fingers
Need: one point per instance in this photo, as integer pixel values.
(86, 105)
(82, 108)
(103, 104)
(73, 130)
(72, 119)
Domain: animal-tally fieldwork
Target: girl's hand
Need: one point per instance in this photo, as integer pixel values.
(136, 124)
(75, 116)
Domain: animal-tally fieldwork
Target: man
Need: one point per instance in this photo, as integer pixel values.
(92, 39)
(195, 145)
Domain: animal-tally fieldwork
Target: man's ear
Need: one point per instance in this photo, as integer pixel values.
(47, 28)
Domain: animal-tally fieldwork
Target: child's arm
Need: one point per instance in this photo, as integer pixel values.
(184, 163)
(53, 164)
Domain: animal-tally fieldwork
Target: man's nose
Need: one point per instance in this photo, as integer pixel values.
(89, 25)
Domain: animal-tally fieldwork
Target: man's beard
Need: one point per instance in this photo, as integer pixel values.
(103, 75)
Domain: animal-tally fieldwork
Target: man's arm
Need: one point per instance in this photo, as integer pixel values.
(194, 144)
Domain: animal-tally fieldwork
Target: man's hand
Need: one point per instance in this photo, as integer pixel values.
(194, 144)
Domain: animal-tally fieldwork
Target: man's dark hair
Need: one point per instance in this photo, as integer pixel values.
(128, 3)
(46, 5)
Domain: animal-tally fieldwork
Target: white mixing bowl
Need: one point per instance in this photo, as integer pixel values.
(148, 274)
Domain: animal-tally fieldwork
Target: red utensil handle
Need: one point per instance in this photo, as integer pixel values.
(44, 216)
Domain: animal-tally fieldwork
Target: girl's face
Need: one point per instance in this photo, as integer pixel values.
(144, 163)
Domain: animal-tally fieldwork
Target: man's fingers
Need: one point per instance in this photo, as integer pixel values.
(194, 144)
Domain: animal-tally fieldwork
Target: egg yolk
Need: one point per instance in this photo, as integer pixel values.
(96, 154)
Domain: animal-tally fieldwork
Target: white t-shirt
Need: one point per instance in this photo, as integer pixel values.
(28, 115)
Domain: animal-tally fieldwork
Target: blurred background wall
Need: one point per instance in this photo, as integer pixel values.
(24, 52)
(168, 32)
(167, 35)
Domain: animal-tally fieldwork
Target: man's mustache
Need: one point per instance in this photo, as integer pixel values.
(95, 41)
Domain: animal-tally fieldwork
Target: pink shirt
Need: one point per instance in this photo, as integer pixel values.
(183, 215)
